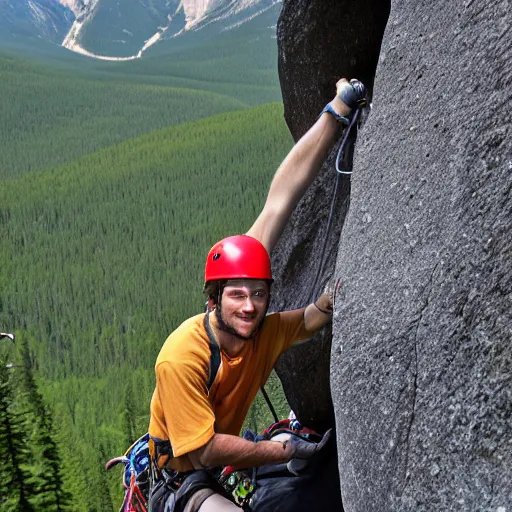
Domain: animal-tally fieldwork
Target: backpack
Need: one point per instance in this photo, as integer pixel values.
(300, 485)
(244, 487)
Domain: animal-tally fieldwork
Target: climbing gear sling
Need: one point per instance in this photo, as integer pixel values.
(135, 475)
(353, 95)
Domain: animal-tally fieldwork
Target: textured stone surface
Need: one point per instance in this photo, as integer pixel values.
(317, 46)
(421, 363)
(422, 353)
(319, 42)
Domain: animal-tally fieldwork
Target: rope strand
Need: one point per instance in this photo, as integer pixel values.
(339, 173)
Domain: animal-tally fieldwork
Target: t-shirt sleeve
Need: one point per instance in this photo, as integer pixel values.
(188, 414)
(292, 324)
(290, 329)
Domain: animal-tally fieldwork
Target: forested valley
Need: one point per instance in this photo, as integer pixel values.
(115, 182)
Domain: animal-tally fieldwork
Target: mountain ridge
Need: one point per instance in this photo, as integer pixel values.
(43, 19)
(132, 28)
(111, 30)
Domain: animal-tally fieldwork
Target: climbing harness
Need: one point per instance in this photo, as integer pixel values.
(355, 97)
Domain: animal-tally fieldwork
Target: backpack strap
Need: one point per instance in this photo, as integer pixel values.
(161, 450)
(215, 358)
(215, 361)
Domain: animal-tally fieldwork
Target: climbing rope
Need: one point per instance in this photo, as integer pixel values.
(347, 144)
(269, 403)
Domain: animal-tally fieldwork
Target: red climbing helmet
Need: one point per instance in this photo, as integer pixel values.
(237, 257)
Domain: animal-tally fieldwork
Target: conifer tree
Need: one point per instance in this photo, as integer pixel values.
(102, 492)
(46, 478)
(129, 428)
(46, 471)
(15, 487)
(73, 469)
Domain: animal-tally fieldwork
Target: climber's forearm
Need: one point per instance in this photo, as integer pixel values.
(318, 314)
(226, 450)
(294, 176)
(314, 319)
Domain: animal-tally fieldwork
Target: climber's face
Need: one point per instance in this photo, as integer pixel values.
(244, 305)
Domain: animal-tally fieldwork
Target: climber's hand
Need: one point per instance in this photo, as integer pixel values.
(324, 302)
(319, 313)
(298, 448)
(337, 103)
(352, 94)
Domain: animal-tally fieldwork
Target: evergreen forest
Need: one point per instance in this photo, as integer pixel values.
(116, 179)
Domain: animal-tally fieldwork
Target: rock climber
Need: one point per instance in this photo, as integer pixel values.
(194, 423)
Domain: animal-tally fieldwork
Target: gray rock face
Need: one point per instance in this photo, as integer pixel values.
(312, 57)
(319, 42)
(421, 360)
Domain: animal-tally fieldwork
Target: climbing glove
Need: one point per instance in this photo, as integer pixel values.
(301, 449)
(353, 94)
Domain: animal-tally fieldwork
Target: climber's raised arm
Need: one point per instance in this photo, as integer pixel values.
(298, 171)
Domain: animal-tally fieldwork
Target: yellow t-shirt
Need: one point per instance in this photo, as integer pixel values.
(183, 411)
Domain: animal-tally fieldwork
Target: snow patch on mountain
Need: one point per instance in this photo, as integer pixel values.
(85, 13)
(249, 18)
(37, 11)
(155, 37)
(199, 13)
(75, 5)
(189, 15)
